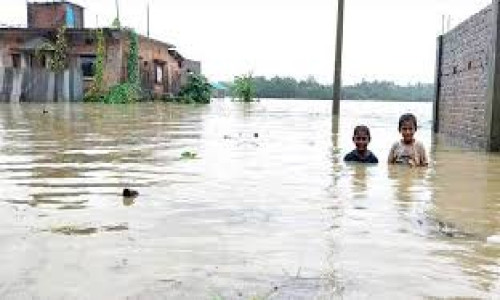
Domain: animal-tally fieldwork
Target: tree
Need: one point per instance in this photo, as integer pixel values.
(244, 88)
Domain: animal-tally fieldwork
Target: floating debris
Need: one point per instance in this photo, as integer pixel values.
(82, 230)
(72, 207)
(114, 228)
(74, 230)
(129, 193)
(188, 155)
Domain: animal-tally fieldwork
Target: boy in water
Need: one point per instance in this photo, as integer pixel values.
(408, 151)
(361, 154)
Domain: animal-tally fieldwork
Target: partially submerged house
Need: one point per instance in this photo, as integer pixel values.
(24, 73)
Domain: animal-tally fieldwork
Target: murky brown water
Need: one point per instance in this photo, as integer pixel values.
(278, 216)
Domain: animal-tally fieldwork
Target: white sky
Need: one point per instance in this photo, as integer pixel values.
(383, 39)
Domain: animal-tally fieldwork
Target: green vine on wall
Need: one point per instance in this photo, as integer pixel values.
(97, 90)
(126, 92)
(99, 64)
(59, 61)
(133, 61)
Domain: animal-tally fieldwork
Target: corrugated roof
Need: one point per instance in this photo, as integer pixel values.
(218, 86)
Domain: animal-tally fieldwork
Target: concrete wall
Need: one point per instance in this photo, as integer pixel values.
(464, 66)
(189, 66)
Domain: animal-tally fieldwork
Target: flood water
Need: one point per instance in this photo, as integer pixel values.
(276, 215)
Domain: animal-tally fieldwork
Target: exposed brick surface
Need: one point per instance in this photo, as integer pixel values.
(53, 15)
(466, 53)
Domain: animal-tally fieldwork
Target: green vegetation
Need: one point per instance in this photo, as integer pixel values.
(97, 90)
(126, 92)
(290, 88)
(116, 23)
(59, 61)
(243, 88)
(58, 57)
(196, 90)
(133, 61)
(188, 155)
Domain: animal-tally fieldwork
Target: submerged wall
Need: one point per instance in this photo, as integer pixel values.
(40, 85)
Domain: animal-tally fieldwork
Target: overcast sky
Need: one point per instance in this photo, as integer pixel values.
(383, 39)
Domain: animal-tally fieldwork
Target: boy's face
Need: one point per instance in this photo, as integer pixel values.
(408, 131)
(361, 139)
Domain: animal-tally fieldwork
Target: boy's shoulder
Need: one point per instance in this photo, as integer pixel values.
(354, 157)
(372, 158)
(396, 144)
(351, 156)
(419, 144)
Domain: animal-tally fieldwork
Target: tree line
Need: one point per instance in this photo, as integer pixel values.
(290, 88)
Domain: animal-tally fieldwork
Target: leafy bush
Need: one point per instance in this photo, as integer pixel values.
(121, 93)
(197, 90)
(244, 88)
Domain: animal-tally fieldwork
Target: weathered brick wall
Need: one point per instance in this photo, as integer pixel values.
(153, 53)
(465, 64)
(53, 15)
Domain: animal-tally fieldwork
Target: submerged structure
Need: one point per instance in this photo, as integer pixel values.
(467, 81)
(25, 74)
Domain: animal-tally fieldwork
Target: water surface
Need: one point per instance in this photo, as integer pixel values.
(266, 209)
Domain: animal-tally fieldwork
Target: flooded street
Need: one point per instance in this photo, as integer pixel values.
(264, 208)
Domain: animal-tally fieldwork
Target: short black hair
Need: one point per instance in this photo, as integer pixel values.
(362, 128)
(408, 118)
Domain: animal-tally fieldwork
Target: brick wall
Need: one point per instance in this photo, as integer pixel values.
(53, 15)
(155, 54)
(464, 75)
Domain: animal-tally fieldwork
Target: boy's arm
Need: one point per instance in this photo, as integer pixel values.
(392, 155)
(424, 161)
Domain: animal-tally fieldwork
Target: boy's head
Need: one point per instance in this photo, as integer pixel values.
(407, 126)
(361, 137)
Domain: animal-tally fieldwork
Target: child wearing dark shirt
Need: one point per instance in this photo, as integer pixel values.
(361, 154)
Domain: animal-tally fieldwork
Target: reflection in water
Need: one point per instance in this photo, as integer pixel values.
(359, 180)
(268, 208)
(467, 195)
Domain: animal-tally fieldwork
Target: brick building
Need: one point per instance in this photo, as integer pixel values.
(467, 93)
(161, 67)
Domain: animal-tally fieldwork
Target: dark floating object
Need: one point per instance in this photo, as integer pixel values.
(188, 155)
(45, 111)
(255, 135)
(130, 193)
